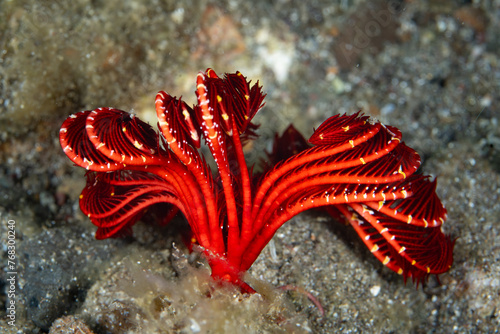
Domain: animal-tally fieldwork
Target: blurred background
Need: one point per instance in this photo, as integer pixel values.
(431, 68)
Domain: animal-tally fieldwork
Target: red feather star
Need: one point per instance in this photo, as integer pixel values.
(356, 168)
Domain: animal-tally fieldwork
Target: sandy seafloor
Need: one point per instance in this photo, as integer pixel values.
(431, 68)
